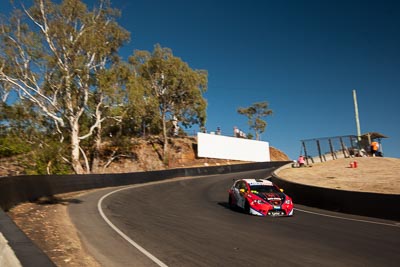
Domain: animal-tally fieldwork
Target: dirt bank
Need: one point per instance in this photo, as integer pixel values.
(373, 174)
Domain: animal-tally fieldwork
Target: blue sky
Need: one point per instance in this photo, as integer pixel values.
(304, 58)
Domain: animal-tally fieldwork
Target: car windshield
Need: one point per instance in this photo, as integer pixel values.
(263, 189)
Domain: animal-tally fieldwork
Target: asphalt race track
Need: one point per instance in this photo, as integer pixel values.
(188, 223)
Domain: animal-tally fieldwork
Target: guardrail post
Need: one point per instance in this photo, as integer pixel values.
(319, 151)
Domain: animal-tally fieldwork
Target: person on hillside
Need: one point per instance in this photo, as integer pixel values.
(374, 148)
(301, 161)
(236, 132)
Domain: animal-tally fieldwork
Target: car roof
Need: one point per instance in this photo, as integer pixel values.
(258, 182)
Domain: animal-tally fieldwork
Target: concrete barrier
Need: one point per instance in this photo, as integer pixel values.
(17, 189)
(7, 255)
(384, 206)
(23, 251)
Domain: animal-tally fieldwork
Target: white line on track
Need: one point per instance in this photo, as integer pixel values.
(348, 219)
(160, 263)
(124, 236)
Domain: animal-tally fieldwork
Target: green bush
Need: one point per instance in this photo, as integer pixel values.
(12, 145)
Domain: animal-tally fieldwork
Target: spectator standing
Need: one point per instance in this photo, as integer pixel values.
(301, 161)
(374, 148)
(235, 132)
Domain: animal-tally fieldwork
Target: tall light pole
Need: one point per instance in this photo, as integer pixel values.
(356, 114)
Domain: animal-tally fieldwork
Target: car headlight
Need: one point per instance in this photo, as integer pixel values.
(288, 201)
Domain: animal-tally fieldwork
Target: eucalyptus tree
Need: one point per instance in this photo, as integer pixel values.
(5, 90)
(141, 116)
(110, 104)
(255, 113)
(176, 88)
(51, 54)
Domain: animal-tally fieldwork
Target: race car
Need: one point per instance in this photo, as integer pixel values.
(260, 197)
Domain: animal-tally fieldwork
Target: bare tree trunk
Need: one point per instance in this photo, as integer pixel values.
(165, 149)
(97, 136)
(75, 153)
(97, 144)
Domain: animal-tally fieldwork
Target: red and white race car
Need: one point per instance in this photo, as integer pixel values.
(260, 197)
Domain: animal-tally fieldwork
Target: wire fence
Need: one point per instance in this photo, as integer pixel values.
(329, 148)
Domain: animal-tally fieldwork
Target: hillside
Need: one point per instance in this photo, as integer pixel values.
(145, 155)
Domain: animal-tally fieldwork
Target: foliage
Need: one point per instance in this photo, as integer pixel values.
(47, 160)
(74, 93)
(20, 129)
(11, 145)
(171, 86)
(255, 113)
(52, 54)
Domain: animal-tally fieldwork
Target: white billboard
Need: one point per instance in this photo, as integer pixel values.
(233, 148)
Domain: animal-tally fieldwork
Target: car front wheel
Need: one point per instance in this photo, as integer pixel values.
(247, 207)
(230, 202)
